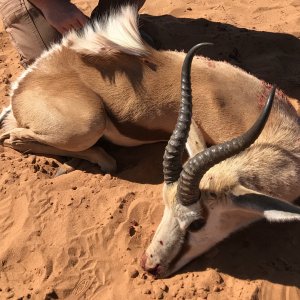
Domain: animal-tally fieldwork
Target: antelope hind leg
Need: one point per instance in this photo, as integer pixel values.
(23, 140)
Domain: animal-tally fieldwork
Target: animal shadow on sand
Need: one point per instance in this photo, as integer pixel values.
(261, 251)
(273, 57)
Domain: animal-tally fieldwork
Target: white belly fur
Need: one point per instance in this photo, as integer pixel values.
(113, 135)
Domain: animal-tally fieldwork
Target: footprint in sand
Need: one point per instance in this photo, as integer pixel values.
(13, 214)
(83, 257)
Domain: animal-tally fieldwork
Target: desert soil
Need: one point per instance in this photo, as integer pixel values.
(80, 235)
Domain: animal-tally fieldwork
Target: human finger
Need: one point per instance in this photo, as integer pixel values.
(61, 29)
(82, 19)
(79, 25)
(66, 28)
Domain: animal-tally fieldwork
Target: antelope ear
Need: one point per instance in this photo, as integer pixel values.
(272, 209)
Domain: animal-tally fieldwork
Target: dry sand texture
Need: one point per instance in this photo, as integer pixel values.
(80, 236)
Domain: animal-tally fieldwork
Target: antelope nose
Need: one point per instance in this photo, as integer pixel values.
(152, 270)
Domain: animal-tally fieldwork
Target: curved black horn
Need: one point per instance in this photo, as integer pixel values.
(193, 171)
(172, 164)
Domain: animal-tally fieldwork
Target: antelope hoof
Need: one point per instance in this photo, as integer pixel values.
(4, 137)
(63, 169)
(109, 167)
(68, 167)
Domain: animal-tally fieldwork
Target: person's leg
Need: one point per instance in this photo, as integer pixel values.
(29, 30)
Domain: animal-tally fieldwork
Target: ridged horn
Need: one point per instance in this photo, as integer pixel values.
(188, 187)
(172, 164)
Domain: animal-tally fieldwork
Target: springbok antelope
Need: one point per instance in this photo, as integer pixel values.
(238, 184)
(104, 82)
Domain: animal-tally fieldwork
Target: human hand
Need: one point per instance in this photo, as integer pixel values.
(61, 14)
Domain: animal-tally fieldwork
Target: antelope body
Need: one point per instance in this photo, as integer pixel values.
(104, 82)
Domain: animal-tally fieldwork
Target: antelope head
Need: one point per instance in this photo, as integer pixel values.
(197, 216)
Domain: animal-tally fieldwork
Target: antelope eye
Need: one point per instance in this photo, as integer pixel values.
(213, 195)
(196, 225)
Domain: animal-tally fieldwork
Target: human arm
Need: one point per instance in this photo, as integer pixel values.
(61, 14)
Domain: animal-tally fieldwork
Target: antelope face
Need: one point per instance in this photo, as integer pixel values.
(171, 233)
(186, 232)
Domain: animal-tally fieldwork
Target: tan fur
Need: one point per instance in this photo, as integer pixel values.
(67, 93)
(271, 165)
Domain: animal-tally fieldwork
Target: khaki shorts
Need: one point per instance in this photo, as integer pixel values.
(29, 30)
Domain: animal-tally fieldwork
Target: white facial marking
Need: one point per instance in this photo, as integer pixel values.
(221, 222)
(170, 234)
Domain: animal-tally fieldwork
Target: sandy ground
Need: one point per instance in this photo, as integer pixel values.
(80, 236)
